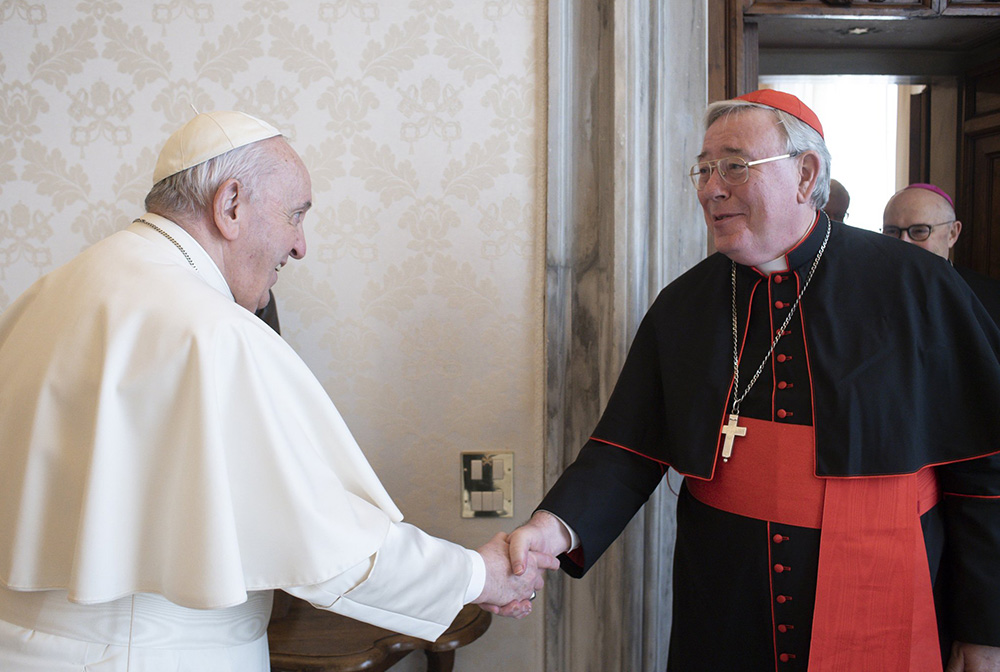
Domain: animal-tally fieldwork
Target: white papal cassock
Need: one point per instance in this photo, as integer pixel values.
(166, 461)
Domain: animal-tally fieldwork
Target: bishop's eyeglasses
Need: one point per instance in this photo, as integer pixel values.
(734, 170)
(917, 232)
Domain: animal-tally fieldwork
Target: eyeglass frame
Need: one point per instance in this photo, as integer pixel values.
(714, 165)
(900, 230)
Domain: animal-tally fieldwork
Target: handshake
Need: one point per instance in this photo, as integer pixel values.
(515, 564)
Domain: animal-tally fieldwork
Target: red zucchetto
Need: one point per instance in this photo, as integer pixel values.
(785, 102)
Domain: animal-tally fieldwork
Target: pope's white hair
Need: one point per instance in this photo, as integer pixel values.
(191, 191)
(799, 137)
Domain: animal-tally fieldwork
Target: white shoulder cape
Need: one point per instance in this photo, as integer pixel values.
(157, 437)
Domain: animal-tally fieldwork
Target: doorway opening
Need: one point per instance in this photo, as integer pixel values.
(862, 126)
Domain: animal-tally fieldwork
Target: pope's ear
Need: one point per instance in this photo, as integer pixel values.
(808, 175)
(227, 206)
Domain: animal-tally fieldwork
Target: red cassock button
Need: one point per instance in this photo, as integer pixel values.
(782, 385)
(782, 413)
(782, 358)
(780, 568)
(779, 304)
(778, 538)
(785, 657)
(784, 628)
(779, 279)
(781, 599)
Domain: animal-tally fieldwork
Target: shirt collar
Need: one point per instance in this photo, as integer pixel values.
(803, 251)
(206, 266)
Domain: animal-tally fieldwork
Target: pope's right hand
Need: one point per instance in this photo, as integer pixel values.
(543, 537)
(505, 592)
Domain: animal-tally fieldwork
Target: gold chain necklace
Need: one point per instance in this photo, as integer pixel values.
(733, 429)
(168, 237)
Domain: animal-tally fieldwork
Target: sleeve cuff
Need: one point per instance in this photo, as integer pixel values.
(478, 580)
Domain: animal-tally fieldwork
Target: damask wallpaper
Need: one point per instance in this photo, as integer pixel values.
(419, 304)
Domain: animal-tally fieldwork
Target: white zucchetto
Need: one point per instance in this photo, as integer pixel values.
(208, 135)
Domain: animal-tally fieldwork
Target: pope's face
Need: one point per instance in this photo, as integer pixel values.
(758, 221)
(275, 211)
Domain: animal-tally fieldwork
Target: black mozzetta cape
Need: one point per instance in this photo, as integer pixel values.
(903, 360)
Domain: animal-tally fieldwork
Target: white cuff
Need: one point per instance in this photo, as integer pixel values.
(413, 584)
(478, 580)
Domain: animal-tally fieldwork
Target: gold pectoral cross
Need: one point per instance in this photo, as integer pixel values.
(731, 430)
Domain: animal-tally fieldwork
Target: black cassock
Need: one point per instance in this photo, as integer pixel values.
(890, 358)
(269, 313)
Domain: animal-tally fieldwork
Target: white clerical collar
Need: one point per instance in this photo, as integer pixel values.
(778, 265)
(199, 258)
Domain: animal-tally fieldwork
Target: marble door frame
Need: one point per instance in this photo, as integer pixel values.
(627, 83)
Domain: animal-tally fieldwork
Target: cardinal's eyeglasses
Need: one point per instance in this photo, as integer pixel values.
(733, 170)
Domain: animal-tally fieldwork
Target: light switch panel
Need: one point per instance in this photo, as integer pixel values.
(487, 485)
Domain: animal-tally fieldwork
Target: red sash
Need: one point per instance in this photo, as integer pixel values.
(874, 605)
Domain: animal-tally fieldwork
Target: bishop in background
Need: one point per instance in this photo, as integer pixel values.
(167, 461)
(832, 398)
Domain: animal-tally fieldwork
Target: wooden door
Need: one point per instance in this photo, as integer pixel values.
(920, 137)
(979, 206)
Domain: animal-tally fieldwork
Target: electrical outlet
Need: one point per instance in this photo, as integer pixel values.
(487, 485)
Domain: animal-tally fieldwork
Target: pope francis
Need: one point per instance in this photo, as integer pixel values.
(167, 461)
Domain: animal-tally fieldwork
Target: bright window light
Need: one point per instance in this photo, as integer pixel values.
(859, 114)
